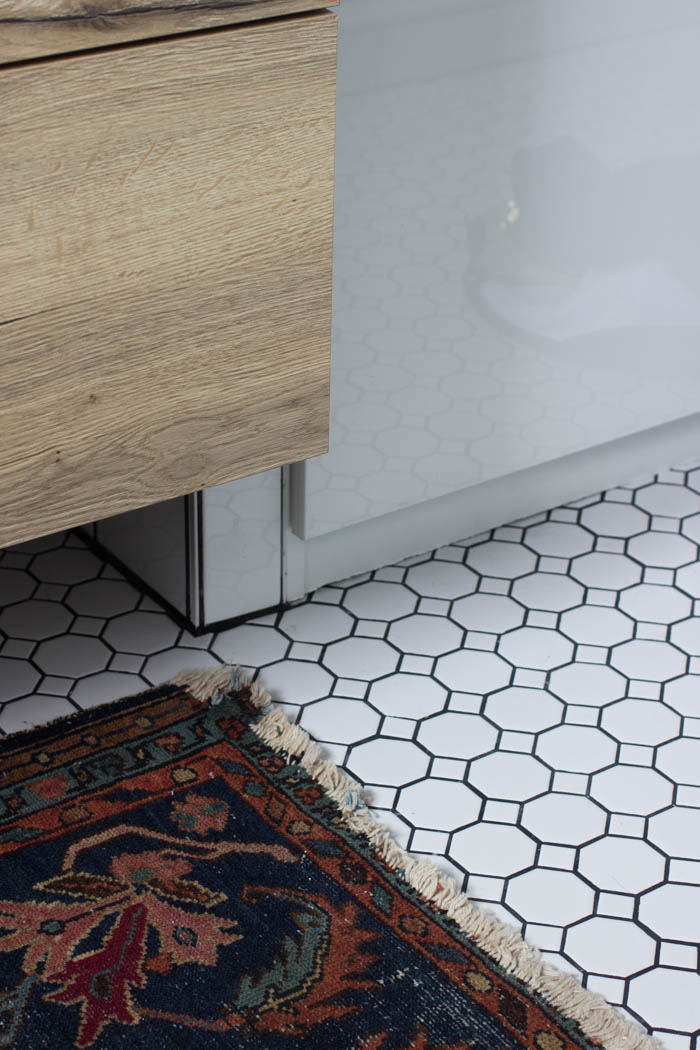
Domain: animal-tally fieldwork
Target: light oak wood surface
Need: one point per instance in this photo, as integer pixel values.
(34, 28)
(165, 254)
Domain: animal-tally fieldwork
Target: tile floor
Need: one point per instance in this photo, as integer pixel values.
(523, 705)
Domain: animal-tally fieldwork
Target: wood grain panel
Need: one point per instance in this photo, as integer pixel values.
(165, 252)
(34, 28)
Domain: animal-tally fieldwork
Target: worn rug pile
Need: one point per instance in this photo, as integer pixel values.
(183, 869)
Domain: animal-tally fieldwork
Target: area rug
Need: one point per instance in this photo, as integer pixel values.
(183, 869)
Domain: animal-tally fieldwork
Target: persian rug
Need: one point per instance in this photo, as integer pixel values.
(184, 869)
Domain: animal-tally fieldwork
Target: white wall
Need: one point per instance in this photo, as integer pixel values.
(517, 261)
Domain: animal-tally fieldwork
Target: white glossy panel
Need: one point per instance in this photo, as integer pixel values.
(241, 538)
(516, 261)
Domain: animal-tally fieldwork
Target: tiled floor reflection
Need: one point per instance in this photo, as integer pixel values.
(523, 705)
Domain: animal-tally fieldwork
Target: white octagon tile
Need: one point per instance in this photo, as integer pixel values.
(473, 671)
(425, 635)
(33, 711)
(368, 658)
(691, 527)
(631, 789)
(407, 695)
(610, 946)
(536, 647)
(66, 565)
(141, 632)
(103, 597)
(655, 661)
(527, 710)
(680, 760)
(670, 501)
(576, 748)
(296, 681)
(558, 539)
(613, 571)
(688, 579)
(441, 579)
(565, 819)
(672, 911)
(548, 896)
(492, 849)
(101, 688)
(315, 623)
(588, 684)
(654, 603)
(593, 625)
(442, 805)
(15, 585)
(614, 519)
(340, 720)
(683, 695)
(387, 761)
(35, 619)
(164, 666)
(501, 559)
(251, 645)
(664, 550)
(677, 832)
(640, 722)
(622, 865)
(457, 735)
(378, 600)
(72, 656)
(546, 590)
(667, 998)
(488, 612)
(509, 775)
(686, 635)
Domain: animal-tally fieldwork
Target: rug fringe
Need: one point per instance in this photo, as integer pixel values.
(599, 1021)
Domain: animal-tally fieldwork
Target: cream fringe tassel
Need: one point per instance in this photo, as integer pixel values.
(597, 1019)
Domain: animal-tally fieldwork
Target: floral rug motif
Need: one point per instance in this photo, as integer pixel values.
(173, 874)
